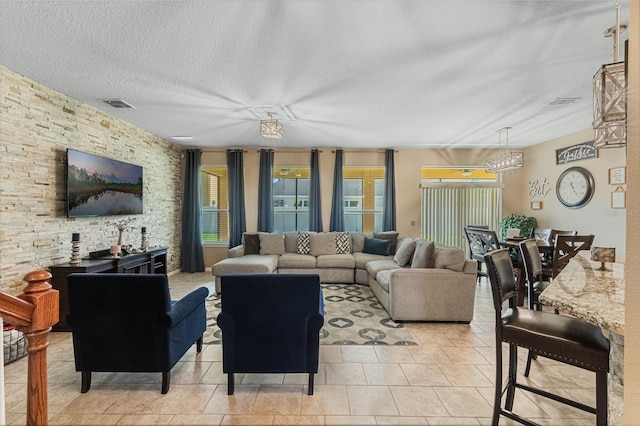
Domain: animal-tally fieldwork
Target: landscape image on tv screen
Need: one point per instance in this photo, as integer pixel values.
(100, 186)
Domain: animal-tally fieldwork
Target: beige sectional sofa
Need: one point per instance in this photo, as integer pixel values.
(417, 280)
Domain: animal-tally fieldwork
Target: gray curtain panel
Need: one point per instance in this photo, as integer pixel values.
(265, 191)
(192, 258)
(237, 220)
(389, 212)
(336, 221)
(315, 206)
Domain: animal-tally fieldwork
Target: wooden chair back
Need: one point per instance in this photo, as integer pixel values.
(566, 248)
(542, 234)
(481, 241)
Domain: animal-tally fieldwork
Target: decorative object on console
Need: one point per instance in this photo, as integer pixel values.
(610, 96)
(144, 240)
(115, 251)
(122, 225)
(271, 128)
(75, 248)
(602, 255)
(508, 160)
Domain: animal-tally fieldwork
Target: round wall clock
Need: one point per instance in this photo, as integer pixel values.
(575, 187)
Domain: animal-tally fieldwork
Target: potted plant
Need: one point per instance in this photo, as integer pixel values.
(525, 224)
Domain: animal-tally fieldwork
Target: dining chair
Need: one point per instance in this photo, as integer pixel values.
(481, 240)
(542, 234)
(566, 247)
(569, 340)
(535, 283)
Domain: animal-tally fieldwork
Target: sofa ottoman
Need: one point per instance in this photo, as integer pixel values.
(248, 264)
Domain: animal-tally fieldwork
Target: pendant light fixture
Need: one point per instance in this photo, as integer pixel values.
(508, 160)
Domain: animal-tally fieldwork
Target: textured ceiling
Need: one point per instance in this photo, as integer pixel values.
(355, 74)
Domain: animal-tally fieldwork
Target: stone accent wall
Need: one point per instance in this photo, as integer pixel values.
(37, 125)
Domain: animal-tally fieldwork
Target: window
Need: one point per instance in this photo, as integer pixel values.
(451, 201)
(291, 199)
(363, 198)
(215, 207)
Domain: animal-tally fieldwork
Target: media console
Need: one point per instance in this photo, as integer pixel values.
(152, 261)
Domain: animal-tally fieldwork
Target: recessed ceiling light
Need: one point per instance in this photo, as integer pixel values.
(118, 103)
(183, 138)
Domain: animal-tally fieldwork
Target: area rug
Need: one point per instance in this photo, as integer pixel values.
(353, 316)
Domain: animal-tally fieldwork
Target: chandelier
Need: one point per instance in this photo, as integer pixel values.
(508, 160)
(271, 128)
(610, 96)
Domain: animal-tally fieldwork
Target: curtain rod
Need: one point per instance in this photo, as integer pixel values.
(289, 150)
(363, 150)
(224, 150)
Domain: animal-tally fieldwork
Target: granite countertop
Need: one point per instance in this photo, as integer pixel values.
(595, 296)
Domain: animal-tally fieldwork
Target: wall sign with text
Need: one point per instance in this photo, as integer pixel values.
(581, 151)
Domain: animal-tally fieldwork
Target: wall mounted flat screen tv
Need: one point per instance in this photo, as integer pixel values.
(100, 186)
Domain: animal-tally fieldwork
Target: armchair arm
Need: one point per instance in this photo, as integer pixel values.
(183, 307)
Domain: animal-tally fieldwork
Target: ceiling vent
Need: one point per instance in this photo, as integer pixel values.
(563, 101)
(118, 103)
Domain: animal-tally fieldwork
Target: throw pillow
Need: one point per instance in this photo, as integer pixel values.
(271, 243)
(291, 242)
(376, 246)
(392, 236)
(343, 243)
(357, 242)
(251, 243)
(446, 257)
(304, 243)
(405, 252)
(423, 254)
(323, 243)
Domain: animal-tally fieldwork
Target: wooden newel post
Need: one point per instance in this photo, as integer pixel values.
(45, 314)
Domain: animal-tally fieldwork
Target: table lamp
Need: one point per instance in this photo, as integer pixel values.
(602, 255)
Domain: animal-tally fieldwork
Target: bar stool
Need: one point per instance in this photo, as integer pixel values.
(561, 338)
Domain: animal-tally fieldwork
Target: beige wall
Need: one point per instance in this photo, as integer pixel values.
(37, 125)
(598, 218)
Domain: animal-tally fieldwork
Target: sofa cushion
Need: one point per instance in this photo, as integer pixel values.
(291, 242)
(295, 260)
(271, 243)
(446, 257)
(304, 243)
(423, 254)
(344, 260)
(251, 243)
(250, 264)
(376, 266)
(363, 258)
(343, 242)
(404, 253)
(383, 278)
(392, 236)
(376, 246)
(357, 242)
(323, 243)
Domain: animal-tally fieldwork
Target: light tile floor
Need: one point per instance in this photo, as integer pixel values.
(446, 380)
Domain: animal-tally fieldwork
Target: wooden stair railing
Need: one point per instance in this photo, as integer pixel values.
(34, 312)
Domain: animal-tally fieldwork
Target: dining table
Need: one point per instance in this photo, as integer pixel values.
(544, 247)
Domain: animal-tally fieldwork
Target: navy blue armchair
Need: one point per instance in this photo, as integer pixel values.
(271, 324)
(128, 323)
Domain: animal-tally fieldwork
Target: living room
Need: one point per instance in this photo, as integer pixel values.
(39, 124)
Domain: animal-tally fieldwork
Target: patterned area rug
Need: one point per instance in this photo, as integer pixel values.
(353, 316)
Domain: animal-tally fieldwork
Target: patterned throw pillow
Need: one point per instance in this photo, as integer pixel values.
(304, 243)
(343, 242)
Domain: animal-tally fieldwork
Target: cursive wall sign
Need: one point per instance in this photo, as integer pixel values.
(539, 189)
(581, 151)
